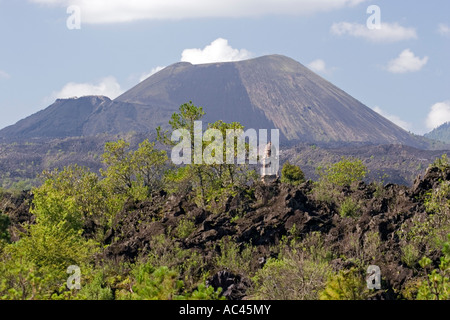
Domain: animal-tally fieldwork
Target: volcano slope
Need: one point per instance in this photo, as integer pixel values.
(267, 92)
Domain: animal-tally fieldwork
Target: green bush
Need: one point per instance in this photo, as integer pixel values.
(344, 172)
(188, 263)
(299, 273)
(292, 174)
(349, 208)
(345, 285)
(410, 255)
(96, 288)
(150, 283)
(4, 224)
(436, 285)
(234, 257)
(441, 163)
(185, 227)
(428, 231)
(333, 177)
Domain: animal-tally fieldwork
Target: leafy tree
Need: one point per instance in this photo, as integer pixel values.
(20, 279)
(213, 182)
(184, 119)
(36, 265)
(74, 195)
(133, 174)
(292, 174)
(119, 165)
(61, 207)
(148, 165)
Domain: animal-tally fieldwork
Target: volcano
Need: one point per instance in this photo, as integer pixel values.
(268, 92)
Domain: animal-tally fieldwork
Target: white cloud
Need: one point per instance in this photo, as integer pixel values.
(105, 87)
(113, 11)
(149, 74)
(4, 75)
(438, 115)
(218, 51)
(444, 29)
(388, 33)
(406, 62)
(393, 118)
(317, 65)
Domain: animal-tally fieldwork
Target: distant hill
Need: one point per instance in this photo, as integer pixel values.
(441, 133)
(267, 92)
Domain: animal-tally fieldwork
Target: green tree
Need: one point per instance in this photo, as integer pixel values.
(35, 266)
(133, 174)
(61, 207)
(119, 171)
(76, 193)
(148, 165)
(184, 119)
(212, 183)
(292, 174)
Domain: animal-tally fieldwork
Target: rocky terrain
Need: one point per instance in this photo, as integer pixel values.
(264, 219)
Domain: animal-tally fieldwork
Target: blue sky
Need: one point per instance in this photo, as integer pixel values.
(401, 70)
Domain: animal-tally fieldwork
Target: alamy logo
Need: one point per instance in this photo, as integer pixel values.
(374, 21)
(237, 149)
(74, 20)
(373, 277)
(74, 280)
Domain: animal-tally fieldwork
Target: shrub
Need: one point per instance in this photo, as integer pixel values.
(299, 273)
(233, 257)
(410, 255)
(96, 289)
(206, 293)
(185, 227)
(441, 163)
(332, 177)
(4, 224)
(349, 208)
(187, 262)
(344, 172)
(427, 232)
(437, 282)
(296, 278)
(292, 174)
(150, 283)
(345, 285)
